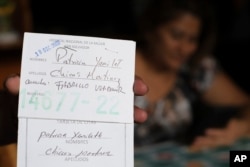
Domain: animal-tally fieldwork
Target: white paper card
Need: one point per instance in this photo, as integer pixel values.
(76, 101)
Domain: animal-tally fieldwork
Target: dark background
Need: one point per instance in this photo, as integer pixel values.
(117, 19)
(93, 18)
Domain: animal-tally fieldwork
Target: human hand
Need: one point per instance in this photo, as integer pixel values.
(140, 89)
(215, 137)
(12, 84)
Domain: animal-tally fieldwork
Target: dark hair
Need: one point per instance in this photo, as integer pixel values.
(160, 12)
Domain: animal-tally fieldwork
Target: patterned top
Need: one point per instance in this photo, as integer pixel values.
(172, 115)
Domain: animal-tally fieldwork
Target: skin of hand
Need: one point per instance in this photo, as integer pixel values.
(12, 84)
(140, 88)
(215, 137)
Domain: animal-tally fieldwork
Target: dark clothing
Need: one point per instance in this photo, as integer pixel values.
(8, 118)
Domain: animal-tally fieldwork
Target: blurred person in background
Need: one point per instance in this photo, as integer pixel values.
(179, 75)
(174, 61)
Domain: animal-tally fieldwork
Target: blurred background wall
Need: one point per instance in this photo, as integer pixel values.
(117, 19)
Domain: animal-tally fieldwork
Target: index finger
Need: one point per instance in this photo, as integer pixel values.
(140, 88)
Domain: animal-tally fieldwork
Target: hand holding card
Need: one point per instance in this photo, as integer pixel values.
(76, 101)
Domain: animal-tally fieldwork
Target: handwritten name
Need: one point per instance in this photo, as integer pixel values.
(102, 63)
(79, 135)
(104, 88)
(70, 84)
(72, 61)
(57, 151)
(99, 152)
(103, 77)
(65, 55)
(50, 135)
(76, 135)
(61, 73)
